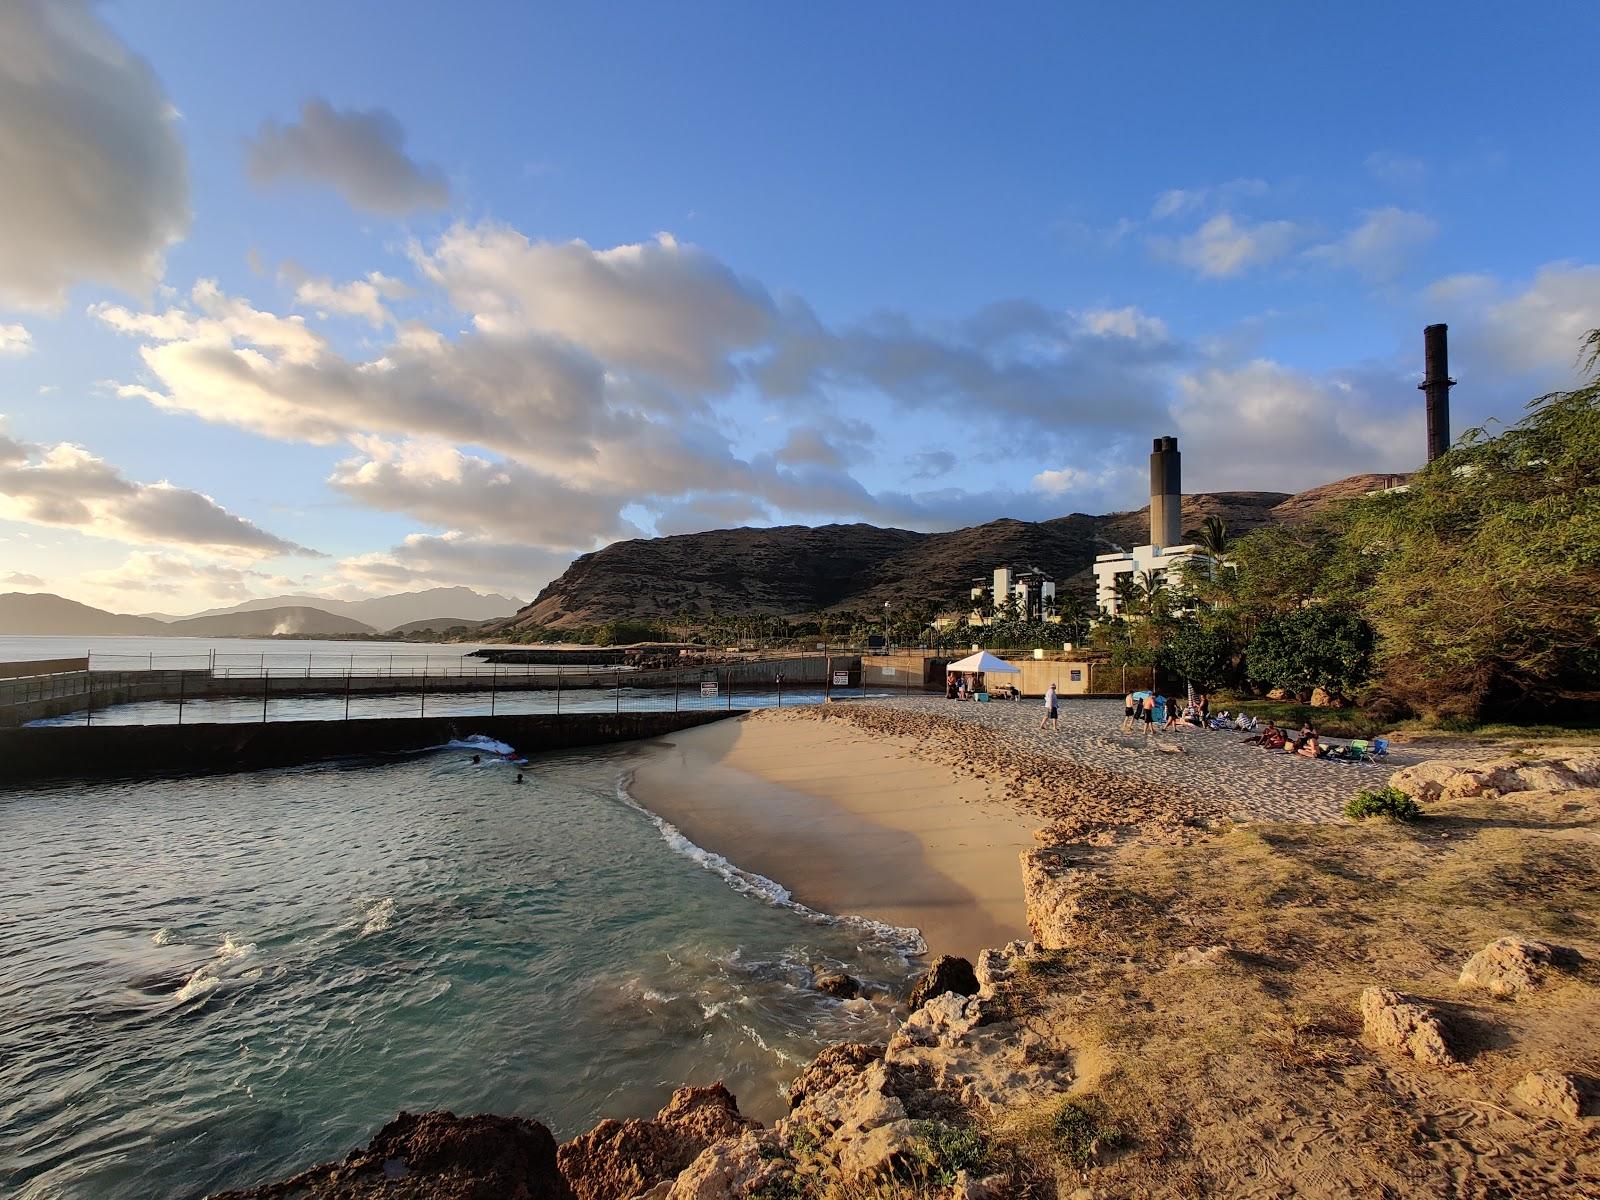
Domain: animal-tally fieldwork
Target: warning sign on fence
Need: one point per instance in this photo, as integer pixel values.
(841, 679)
(708, 689)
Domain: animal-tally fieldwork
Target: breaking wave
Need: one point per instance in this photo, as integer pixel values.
(208, 976)
(904, 941)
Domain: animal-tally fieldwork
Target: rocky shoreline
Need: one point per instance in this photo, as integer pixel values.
(1264, 1010)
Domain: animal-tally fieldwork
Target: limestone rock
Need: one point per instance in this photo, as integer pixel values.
(434, 1156)
(948, 974)
(1444, 779)
(1056, 882)
(1320, 698)
(1509, 965)
(626, 1158)
(876, 1151)
(1553, 1092)
(990, 1187)
(836, 984)
(829, 1068)
(732, 1169)
(1392, 1020)
(942, 1020)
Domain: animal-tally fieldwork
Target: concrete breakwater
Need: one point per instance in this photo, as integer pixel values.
(68, 751)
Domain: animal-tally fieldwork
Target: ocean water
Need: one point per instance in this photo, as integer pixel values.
(209, 982)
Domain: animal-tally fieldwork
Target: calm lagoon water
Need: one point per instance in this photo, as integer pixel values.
(209, 982)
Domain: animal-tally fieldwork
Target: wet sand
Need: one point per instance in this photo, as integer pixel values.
(849, 823)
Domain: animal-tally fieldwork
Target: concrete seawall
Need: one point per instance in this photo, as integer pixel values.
(69, 751)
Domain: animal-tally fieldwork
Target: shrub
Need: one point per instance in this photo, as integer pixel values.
(1322, 646)
(1388, 802)
(944, 1151)
(1080, 1129)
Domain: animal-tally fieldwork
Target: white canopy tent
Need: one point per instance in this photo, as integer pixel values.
(984, 661)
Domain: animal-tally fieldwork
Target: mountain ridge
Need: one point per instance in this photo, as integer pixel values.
(793, 569)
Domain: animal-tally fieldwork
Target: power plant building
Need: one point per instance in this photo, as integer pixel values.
(1166, 549)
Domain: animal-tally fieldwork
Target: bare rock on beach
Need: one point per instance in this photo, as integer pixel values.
(1510, 965)
(434, 1156)
(836, 984)
(1443, 779)
(627, 1158)
(1392, 1020)
(1553, 1093)
(948, 974)
(731, 1168)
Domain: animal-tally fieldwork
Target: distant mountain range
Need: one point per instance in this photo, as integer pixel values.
(40, 613)
(795, 569)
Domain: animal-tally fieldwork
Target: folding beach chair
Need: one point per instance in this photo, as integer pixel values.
(1380, 748)
(1359, 750)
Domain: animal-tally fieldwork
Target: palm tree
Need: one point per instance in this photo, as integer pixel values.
(1073, 612)
(1127, 589)
(1212, 537)
(1151, 591)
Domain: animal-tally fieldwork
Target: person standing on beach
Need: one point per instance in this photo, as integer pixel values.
(1127, 713)
(1051, 716)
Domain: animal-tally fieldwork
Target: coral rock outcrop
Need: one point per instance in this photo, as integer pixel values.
(1392, 1020)
(617, 1160)
(434, 1156)
(1510, 965)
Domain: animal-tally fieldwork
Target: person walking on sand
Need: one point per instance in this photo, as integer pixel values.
(1128, 713)
(1051, 716)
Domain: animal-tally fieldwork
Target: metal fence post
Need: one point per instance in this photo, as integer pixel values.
(494, 679)
(181, 680)
(423, 711)
(558, 689)
(348, 680)
(266, 682)
(88, 712)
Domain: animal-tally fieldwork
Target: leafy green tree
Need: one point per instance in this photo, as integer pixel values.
(1212, 537)
(1486, 571)
(1201, 652)
(1322, 645)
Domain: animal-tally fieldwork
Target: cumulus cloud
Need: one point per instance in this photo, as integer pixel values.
(359, 154)
(454, 557)
(93, 178)
(436, 482)
(1532, 334)
(1380, 244)
(1224, 247)
(363, 298)
(722, 510)
(662, 306)
(1009, 363)
(1265, 426)
(64, 485)
(172, 575)
(15, 341)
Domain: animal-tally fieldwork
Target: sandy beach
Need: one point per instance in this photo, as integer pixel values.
(850, 823)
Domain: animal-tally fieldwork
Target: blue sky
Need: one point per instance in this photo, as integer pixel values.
(657, 268)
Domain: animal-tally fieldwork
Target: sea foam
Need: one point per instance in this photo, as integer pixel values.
(209, 975)
(905, 941)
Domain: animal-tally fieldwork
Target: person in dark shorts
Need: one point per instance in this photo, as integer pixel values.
(1051, 715)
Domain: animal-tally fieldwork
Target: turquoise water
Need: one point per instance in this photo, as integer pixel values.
(210, 982)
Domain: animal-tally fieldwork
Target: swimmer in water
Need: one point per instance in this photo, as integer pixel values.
(519, 776)
(475, 758)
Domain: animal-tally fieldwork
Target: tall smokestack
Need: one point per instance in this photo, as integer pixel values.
(1166, 492)
(1436, 383)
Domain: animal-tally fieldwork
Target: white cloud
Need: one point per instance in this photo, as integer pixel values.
(21, 579)
(1380, 244)
(1265, 426)
(171, 575)
(15, 341)
(664, 307)
(1223, 247)
(66, 486)
(359, 154)
(1534, 332)
(454, 557)
(93, 179)
(358, 298)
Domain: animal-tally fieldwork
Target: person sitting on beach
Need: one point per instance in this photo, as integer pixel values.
(1191, 715)
(1310, 747)
(1270, 737)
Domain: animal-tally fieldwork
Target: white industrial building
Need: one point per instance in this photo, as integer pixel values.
(1032, 592)
(1166, 550)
